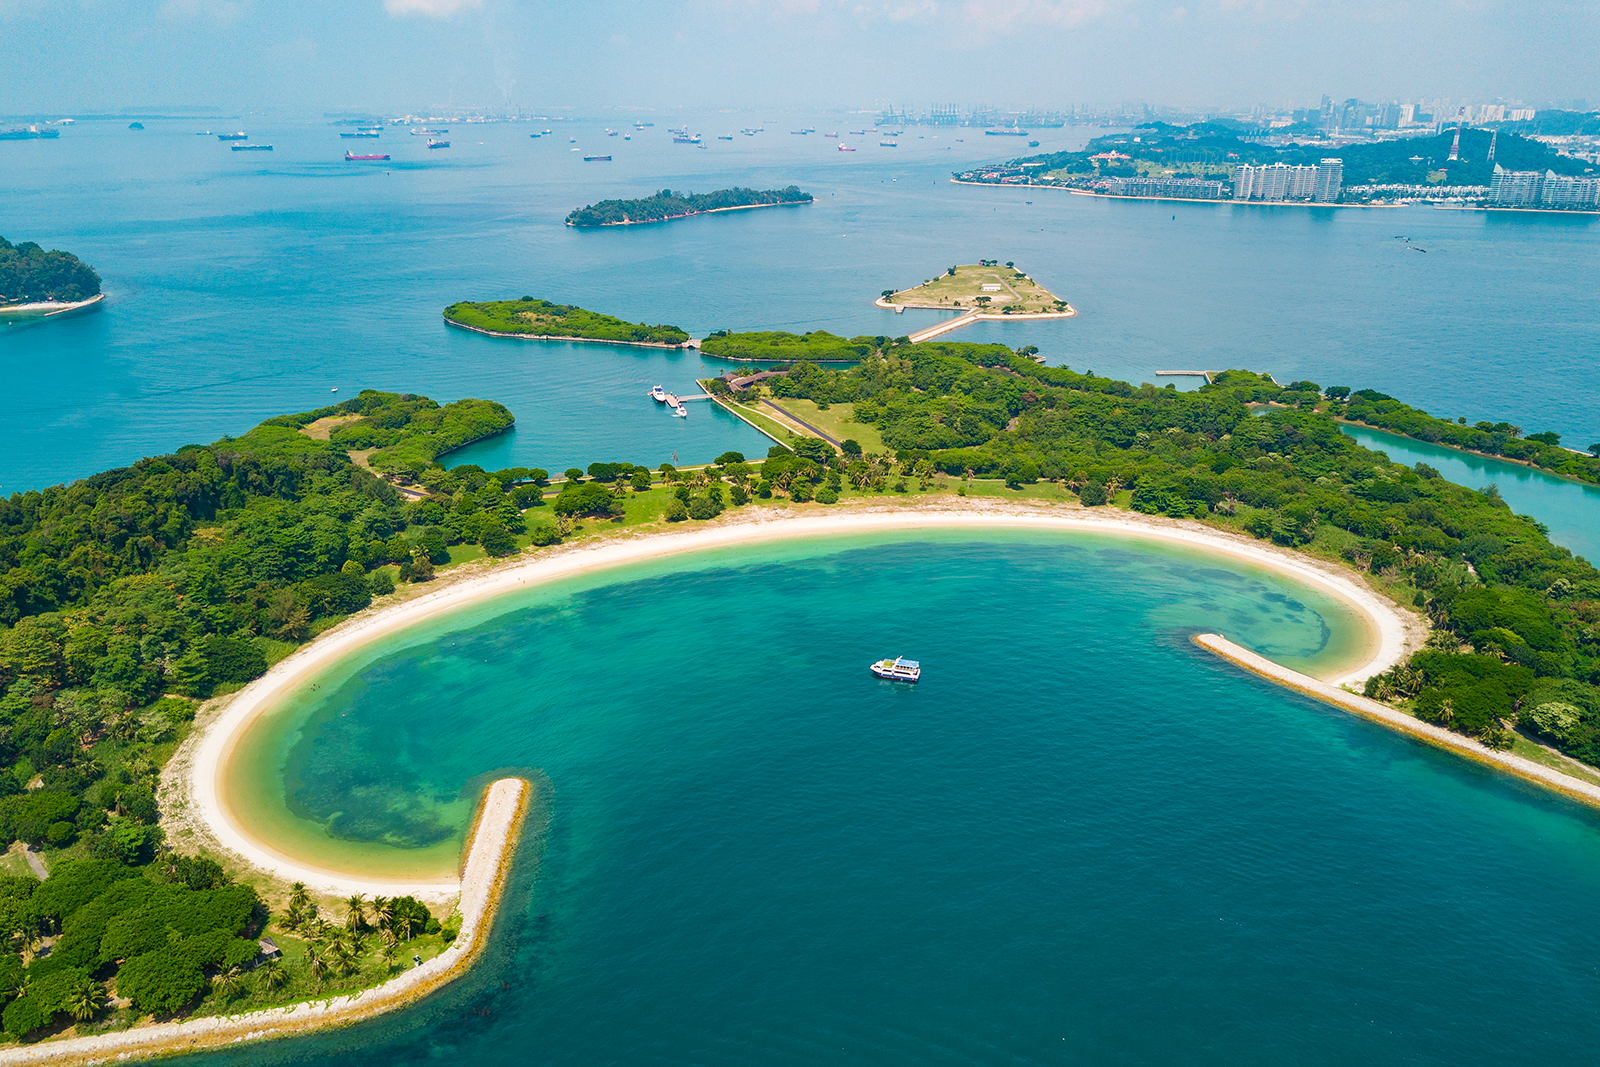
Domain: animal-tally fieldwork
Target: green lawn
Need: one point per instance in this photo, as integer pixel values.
(837, 422)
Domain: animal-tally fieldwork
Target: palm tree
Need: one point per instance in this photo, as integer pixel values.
(87, 999)
(382, 911)
(356, 918)
(228, 983)
(341, 956)
(272, 975)
(390, 951)
(318, 965)
(298, 901)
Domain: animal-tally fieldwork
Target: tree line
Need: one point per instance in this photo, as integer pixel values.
(29, 274)
(543, 318)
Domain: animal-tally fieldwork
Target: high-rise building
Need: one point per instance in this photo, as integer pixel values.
(1512, 187)
(1569, 192)
(1282, 181)
(1329, 182)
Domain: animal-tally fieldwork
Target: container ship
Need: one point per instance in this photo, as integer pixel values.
(1006, 131)
(252, 148)
(438, 144)
(348, 158)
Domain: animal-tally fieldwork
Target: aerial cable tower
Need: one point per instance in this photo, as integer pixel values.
(1455, 145)
(1495, 136)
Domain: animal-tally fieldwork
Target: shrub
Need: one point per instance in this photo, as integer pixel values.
(161, 982)
(381, 582)
(676, 512)
(545, 534)
(702, 507)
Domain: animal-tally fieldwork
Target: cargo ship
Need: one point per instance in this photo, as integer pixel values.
(252, 148)
(240, 136)
(348, 158)
(846, 148)
(597, 159)
(888, 144)
(358, 133)
(438, 144)
(684, 138)
(1006, 131)
(423, 131)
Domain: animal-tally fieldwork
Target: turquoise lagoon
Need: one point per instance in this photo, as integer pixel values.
(1079, 840)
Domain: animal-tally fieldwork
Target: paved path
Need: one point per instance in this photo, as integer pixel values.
(36, 863)
(802, 422)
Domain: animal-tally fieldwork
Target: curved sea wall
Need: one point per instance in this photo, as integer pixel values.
(1576, 788)
(494, 841)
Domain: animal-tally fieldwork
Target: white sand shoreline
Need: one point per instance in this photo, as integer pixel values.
(1394, 632)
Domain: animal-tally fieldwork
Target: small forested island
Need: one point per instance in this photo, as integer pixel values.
(30, 275)
(670, 205)
(543, 320)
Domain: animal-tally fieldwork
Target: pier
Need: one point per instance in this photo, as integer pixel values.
(1206, 374)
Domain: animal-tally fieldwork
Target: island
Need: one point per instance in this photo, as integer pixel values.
(985, 286)
(36, 284)
(287, 547)
(541, 320)
(665, 205)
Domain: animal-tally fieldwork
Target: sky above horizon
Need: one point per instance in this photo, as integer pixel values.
(85, 56)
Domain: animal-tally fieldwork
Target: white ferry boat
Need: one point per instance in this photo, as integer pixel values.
(658, 394)
(898, 669)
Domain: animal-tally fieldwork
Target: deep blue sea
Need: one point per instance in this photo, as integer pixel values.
(242, 285)
(1080, 839)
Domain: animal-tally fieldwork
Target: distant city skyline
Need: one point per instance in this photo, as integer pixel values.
(827, 54)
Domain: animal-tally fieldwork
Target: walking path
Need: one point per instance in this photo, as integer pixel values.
(796, 419)
(494, 843)
(1576, 788)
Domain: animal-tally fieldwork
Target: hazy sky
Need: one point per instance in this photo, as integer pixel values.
(85, 55)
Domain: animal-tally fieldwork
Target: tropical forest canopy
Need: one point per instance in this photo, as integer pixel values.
(541, 318)
(29, 274)
(670, 205)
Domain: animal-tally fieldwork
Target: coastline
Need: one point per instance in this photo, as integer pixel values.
(690, 214)
(554, 337)
(1572, 787)
(1070, 313)
(488, 862)
(48, 309)
(1392, 633)
(1166, 199)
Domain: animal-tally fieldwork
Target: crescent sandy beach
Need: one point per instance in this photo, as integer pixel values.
(203, 768)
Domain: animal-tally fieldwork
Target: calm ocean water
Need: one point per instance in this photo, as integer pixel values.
(243, 285)
(1079, 839)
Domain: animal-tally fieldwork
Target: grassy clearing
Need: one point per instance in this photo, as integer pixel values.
(838, 421)
(965, 288)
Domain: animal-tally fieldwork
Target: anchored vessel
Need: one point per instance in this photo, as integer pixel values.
(363, 159)
(252, 148)
(898, 669)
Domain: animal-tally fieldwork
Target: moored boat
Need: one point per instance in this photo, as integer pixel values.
(658, 394)
(898, 669)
